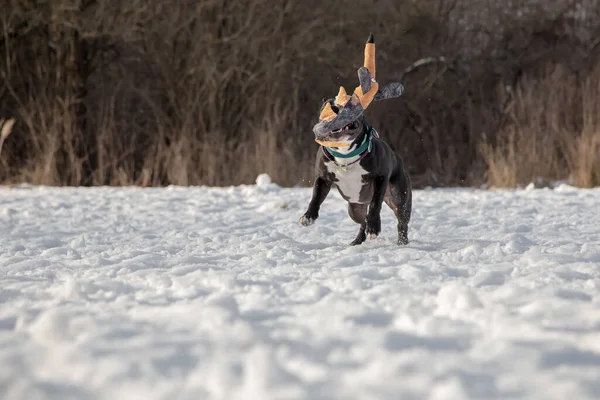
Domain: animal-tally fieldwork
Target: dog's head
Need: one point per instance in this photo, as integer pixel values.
(341, 118)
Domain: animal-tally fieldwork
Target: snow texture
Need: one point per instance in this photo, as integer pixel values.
(219, 293)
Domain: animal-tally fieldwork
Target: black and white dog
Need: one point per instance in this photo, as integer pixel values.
(366, 174)
(352, 157)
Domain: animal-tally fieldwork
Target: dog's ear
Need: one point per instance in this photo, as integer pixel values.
(324, 103)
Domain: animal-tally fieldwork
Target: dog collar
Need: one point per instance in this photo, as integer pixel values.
(344, 167)
(366, 145)
(364, 148)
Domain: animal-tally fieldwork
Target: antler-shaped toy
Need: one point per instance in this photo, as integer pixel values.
(345, 108)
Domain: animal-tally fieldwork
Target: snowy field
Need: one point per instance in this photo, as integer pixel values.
(218, 293)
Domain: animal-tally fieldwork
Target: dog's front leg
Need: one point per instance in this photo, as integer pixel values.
(373, 215)
(320, 191)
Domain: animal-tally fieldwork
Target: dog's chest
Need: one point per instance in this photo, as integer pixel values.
(350, 183)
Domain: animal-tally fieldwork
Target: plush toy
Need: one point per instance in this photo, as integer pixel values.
(345, 108)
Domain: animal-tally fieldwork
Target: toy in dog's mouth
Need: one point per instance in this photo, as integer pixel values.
(339, 117)
(339, 137)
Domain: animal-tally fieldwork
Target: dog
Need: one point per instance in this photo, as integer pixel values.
(365, 181)
(353, 158)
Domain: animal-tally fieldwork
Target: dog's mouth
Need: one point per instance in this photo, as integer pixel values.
(350, 127)
(342, 137)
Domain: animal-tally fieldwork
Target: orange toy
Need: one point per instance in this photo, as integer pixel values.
(345, 108)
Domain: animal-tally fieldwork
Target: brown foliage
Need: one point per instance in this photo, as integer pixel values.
(216, 91)
(553, 131)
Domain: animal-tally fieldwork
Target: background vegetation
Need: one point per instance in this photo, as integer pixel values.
(214, 92)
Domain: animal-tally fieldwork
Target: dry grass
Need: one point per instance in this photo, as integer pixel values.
(5, 130)
(552, 131)
(583, 152)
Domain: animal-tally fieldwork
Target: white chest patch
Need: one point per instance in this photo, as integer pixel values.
(349, 180)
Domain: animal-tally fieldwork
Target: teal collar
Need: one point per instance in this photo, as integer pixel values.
(366, 145)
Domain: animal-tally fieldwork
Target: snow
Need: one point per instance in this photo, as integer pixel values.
(219, 293)
(263, 180)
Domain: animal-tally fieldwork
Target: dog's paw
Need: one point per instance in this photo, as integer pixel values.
(305, 220)
(360, 238)
(373, 228)
(403, 241)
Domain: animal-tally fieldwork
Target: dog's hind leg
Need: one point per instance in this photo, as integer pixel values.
(399, 199)
(358, 213)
